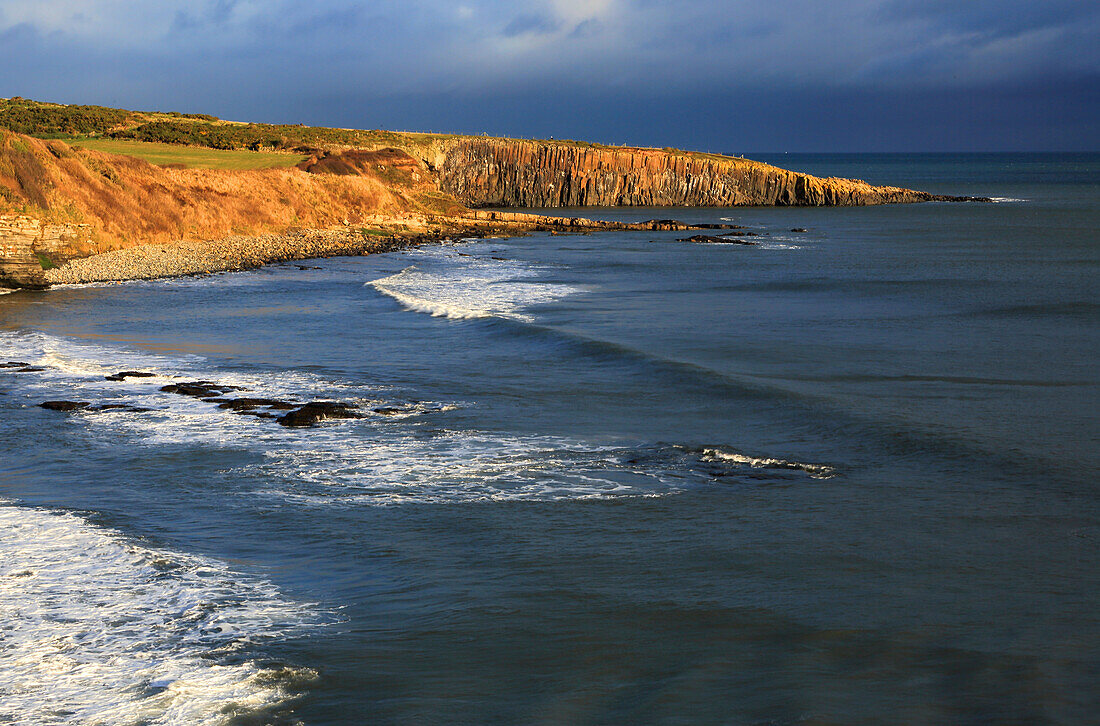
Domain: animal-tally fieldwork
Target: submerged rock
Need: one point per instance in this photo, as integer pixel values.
(120, 408)
(257, 414)
(391, 410)
(712, 239)
(799, 229)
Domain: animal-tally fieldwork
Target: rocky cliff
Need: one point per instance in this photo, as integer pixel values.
(507, 173)
(28, 248)
(61, 202)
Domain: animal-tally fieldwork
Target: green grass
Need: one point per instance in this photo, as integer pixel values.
(189, 156)
(368, 232)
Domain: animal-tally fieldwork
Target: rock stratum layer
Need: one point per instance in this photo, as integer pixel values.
(492, 172)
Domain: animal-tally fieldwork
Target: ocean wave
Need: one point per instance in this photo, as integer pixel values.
(779, 243)
(1004, 200)
(98, 630)
(469, 287)
(451, 467)
(398, 451)
(448, 466)
(817, 471)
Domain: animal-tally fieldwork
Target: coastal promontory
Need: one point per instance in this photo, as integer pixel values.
(84, 181)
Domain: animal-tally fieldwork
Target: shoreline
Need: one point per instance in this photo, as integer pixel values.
(230, 254)
(248, 252)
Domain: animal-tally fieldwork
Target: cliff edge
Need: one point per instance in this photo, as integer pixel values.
(507, 173)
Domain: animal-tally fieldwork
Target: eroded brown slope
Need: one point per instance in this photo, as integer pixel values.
(59, 202)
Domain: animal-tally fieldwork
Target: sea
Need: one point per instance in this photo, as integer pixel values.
(846, 475)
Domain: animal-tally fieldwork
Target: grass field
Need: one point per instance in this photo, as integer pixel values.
(189, 156)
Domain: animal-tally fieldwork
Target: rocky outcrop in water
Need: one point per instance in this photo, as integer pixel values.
(507, 173)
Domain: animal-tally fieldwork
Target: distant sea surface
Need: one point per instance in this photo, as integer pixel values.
(848, 475)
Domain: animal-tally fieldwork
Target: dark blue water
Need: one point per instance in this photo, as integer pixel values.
(848, 475)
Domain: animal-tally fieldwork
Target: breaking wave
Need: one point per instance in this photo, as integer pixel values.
(466, 287)
(817, 471)
(95, 629)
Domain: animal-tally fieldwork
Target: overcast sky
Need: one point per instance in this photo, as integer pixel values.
(721, 75)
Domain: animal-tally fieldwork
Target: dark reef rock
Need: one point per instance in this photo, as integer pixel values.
(722, 239)
(247, 404)
(86, 406)
(199, 389)
(390, 410)
(123, 375)
(316, 411)
(17, 367)
(799, 229)
(64, 405)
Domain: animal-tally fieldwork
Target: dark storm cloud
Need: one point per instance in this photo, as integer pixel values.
(618, 69)
(992, 17)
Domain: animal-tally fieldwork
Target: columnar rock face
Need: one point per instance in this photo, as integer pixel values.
(28, 248)
(490, 172)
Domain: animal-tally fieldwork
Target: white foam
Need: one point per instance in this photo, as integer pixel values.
(387, 457)
(817, 471)
(452, 467)
(404, 466)
(1004, 200)
(459, 288)
(97, 630)
(73, 358)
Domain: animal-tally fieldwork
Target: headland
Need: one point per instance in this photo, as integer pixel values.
(89, 193)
